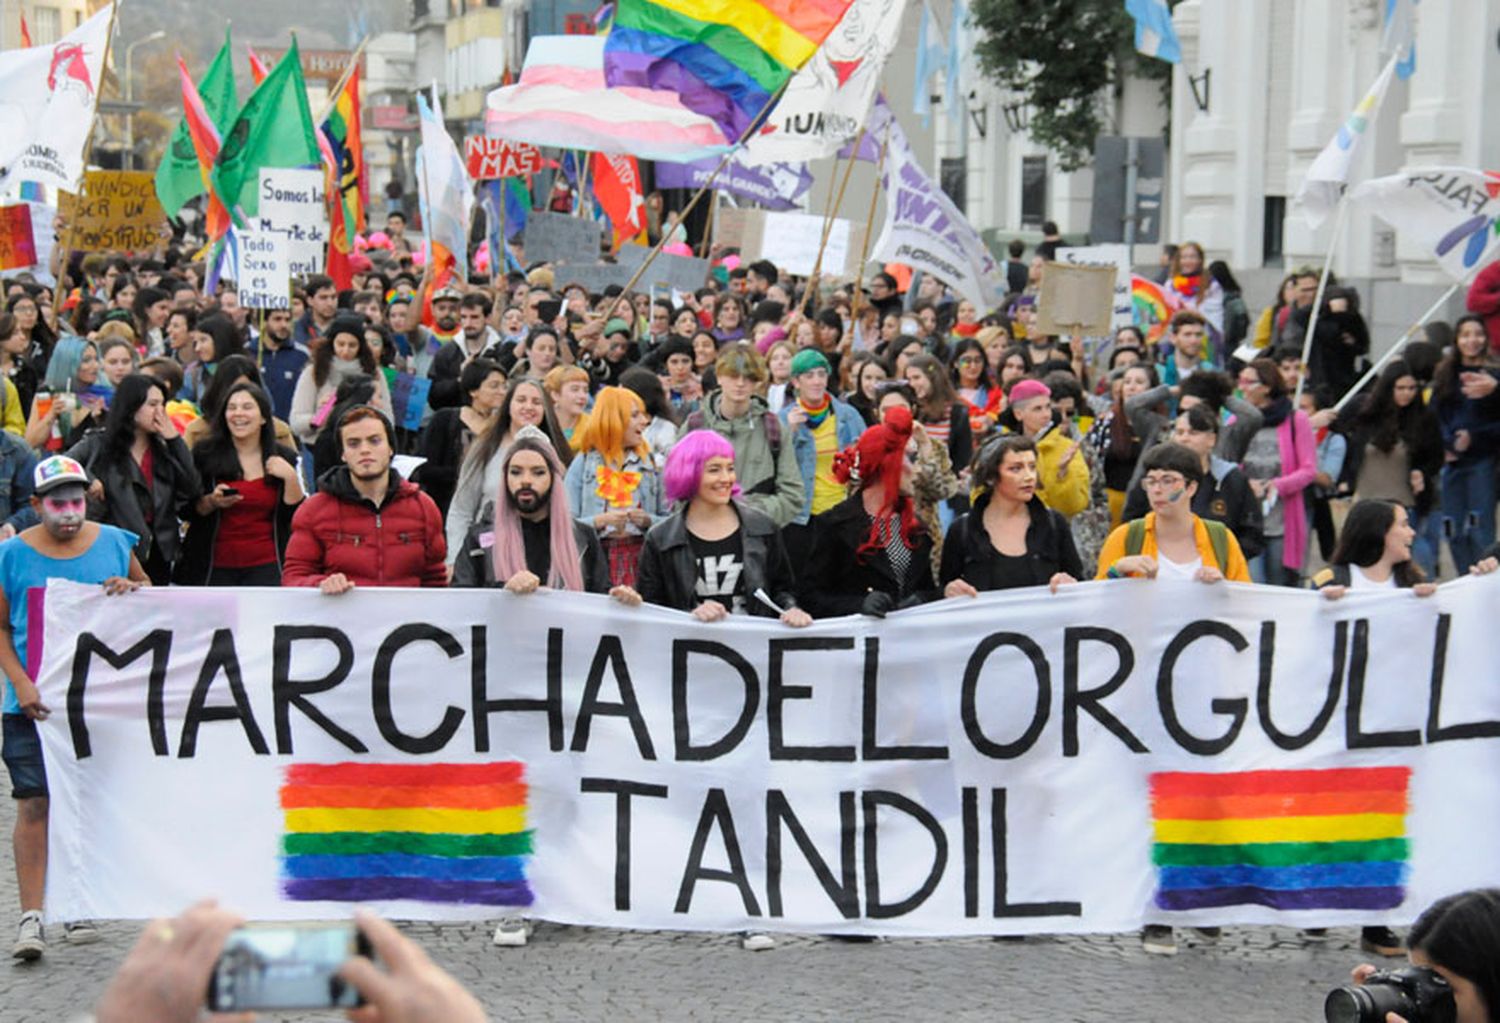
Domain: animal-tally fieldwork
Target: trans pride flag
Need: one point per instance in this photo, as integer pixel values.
(725, 58)
(452, 833)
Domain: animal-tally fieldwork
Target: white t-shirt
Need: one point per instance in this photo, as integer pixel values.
(1166, 568)
(1359, 581)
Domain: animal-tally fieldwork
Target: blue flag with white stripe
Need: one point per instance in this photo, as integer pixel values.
(1154, 34)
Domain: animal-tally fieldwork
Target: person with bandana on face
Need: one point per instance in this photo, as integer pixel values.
(65, 545)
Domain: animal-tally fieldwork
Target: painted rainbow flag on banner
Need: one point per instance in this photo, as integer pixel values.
(452, 833)
(1329, 839)
(725, 58)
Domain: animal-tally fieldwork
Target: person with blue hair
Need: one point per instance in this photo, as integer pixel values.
(70, 402)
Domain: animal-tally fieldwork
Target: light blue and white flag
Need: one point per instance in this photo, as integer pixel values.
(930, 57)
(1399, 36)
(1154, 34)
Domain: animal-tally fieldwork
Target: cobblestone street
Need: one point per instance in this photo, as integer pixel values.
(569, 973)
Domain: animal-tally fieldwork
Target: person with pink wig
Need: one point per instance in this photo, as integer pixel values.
(533, 540)
(715, 556)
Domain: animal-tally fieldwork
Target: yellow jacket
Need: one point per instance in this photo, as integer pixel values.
(1070, 495)
(15, 416)
(1114, 549)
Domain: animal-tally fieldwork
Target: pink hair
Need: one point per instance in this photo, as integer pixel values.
(684, 470)
(509, 552)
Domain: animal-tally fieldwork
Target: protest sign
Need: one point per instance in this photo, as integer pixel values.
(1075, 300)
(292, 203)
(1117, 257)
(790, 240)
(118, 212)
(1116, 753)
(681, 273)
(17, 245)
(489, 158)
(262, 269)
(560, 238)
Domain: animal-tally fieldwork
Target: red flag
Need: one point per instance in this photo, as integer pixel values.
(258, 69)
(617, 187)
(25, 33)
(206, 142)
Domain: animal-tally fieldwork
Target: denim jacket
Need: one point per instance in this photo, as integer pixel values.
(17, 466)
(583, 496)
(849, 424)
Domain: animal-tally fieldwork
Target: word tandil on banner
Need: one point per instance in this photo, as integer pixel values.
(1118, 753)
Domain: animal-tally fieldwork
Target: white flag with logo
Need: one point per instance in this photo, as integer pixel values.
(47, 98)
(826, 102)
(923, 228)
(1329, 173)
(1451, 212)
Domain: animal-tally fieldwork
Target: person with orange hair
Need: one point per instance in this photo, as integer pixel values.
(871, 553)
(612, 483)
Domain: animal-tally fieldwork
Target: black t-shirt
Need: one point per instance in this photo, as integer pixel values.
(720, 567)
(536, 537)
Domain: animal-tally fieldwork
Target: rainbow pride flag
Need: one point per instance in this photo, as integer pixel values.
(725, 58)
(1329, 839)
(1152, 307)
(452, 833)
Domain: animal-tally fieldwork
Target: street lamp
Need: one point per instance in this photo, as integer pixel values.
(160, 33)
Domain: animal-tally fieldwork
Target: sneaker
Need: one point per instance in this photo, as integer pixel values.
(1158, 940)
(1381, 941)
(30, 942)
(512, 932)
(757, 941)
(1209, 935)
(81, 932)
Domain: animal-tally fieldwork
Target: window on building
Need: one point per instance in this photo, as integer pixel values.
(1033, 191)
(953, 176)
(1272, 252)
(46, 25)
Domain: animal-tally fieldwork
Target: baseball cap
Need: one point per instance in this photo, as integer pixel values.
(447, 292)
(57, 471)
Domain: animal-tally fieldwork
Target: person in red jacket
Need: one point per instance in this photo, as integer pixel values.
(1484, 300)
(366, 526)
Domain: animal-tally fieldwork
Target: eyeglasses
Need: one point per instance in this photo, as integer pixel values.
(1163, 482)
(970, 360)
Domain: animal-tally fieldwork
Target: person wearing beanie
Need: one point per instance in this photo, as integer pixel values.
(341, 355)
(818, 426)
(871, 554)
(1063, 474)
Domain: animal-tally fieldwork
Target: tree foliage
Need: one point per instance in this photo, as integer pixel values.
(1060, 56)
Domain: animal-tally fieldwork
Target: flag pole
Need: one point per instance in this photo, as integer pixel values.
(1397, 347)
(333, 95)
(88, 146)
(682, 217)
(1312, 319)
(864, 245)
(833, 210)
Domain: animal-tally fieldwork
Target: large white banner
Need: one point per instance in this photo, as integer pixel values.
(923, 228)
(1451, 213)
(47, 98)
(1116, 753)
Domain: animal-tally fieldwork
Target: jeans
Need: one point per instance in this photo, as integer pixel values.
(1266, 567)
(1429, 539)
(1468, 502)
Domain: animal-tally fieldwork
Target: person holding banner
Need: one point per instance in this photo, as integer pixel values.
(1468, 410)
(1010, 538)
(63, 546)
(871, 554)
(366, 526)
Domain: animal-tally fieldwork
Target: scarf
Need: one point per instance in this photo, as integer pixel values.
(1188, 286)
(616, 487)
(815, 416)
(1276, 412)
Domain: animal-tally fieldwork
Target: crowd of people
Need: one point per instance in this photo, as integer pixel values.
(763, 445)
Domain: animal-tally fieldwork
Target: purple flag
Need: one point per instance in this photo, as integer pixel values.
(776, 186)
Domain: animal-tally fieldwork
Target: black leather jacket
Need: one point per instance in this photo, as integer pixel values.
(668, 574)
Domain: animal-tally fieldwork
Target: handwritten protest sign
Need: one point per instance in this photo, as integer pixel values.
(790, 240)
(17, 246)
(1117, 258)
(262, 269)
(292, 203)
(118, 212)
(489, 158)
(1076, 300)
(1117, 753)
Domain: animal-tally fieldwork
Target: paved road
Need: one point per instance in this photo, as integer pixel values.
(580, 974)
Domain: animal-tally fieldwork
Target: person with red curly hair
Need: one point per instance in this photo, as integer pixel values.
(871, 554)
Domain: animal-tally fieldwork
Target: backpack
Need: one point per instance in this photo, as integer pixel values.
(1218, 539)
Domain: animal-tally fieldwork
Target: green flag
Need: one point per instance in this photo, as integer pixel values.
(177, 176)
(273, 129)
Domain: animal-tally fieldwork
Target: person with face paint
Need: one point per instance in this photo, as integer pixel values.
(1010, 538)
(1171, 541)
(65, 545)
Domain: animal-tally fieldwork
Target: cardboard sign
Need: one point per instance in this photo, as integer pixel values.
(262, 273)
(500, 158)
(1117, 257)
(17, 246)
(1076, 300)
(118, 212)
(292, 202)
(681, 273)
(560, 238)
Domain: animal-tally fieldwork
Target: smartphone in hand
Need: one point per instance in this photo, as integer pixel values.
(270, 967)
